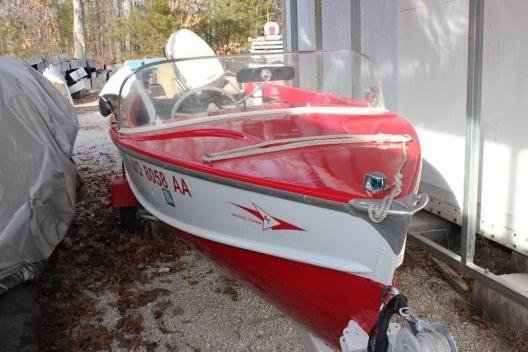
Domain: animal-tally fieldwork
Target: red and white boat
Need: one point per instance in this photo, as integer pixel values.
(293, 176)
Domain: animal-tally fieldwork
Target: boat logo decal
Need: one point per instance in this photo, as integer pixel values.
(264, 218)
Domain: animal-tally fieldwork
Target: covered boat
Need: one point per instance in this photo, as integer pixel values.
(294, 177)
(38, 127)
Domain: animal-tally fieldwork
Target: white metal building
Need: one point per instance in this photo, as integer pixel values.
(456, 70)
(421, 49)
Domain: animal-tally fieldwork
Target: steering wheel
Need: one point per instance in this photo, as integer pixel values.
(193, 91)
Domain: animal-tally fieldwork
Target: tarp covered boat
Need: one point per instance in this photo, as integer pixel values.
(38, 127)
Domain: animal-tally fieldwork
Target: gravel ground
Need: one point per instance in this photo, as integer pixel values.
(150, 292)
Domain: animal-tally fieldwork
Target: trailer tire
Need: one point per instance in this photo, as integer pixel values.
(128, 219)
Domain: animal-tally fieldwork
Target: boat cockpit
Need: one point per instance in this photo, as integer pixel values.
(181, 90)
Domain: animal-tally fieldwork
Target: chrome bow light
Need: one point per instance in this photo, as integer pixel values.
(374, 181)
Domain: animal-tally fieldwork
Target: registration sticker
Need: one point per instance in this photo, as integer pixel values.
(168, 197)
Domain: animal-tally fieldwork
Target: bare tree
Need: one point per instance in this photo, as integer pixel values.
(79, 44)
(127, 5)
(118, 11)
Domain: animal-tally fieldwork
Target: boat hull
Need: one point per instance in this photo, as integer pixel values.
(317, 260)
(322, 300)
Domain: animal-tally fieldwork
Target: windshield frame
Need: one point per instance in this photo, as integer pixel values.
(353, 110)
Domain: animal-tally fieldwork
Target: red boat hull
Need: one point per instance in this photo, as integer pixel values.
(322, 300)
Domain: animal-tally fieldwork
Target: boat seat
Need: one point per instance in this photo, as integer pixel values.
(166, 78)
(196, 73)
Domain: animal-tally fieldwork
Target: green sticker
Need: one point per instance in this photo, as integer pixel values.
(168, 197)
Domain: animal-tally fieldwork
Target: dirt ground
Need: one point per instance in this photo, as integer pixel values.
(106, 290)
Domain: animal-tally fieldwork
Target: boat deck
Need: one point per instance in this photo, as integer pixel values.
(332, 172)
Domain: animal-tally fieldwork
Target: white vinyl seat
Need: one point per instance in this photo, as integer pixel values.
(196, 73)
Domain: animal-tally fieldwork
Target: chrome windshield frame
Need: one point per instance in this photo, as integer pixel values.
(375, 72)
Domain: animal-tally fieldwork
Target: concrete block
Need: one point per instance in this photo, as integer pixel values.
(78, 74)
(41, 66)
(86, 63)
(58, 59)
(58, 67)
(502, 309)
(75, 64)
(98, 82)
(62, 66)
(90, 63)
(78, 63)
(83, 84)
(35, 60)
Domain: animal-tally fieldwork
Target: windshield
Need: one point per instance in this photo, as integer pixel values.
(168, 92)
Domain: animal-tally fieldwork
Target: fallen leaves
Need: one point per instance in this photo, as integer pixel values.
(130, 299)
(130, 324)
(88, 335)
(482, 320)
(228, 286)
(94, 259)
(177, 311)
(160, 307)
(132, 343)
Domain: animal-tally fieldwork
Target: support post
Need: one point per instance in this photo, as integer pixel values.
(294, 26)
(355, 46)
(355, 15)
(318, 21)
(473, 126)
(318, 14)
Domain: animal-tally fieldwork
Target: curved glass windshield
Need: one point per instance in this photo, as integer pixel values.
(172, 91)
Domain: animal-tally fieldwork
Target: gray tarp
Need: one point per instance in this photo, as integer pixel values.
(38, 127)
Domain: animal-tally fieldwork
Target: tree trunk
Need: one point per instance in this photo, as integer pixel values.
(126, 14)
(100, 43)
(79, 44)
(117, 41)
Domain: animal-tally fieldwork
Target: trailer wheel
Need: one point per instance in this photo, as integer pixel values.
(128, 219)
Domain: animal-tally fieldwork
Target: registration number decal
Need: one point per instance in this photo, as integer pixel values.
(159, 178)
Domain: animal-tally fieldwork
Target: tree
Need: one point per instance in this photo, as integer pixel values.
(27, 28)
(110, 31)
(79, 44)
(64, 24)
(226, 24)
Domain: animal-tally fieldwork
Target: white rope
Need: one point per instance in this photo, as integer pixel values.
(377, 212)
(277, 145)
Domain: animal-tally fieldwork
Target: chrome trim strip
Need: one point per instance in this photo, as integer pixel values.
(401, 207)
(393, 229)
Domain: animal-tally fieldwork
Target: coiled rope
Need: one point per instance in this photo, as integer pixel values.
(377, 212)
